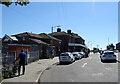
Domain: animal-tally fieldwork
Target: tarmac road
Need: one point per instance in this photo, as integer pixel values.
(89, 69)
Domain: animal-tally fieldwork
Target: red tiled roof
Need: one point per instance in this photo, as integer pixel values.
(43, 35)
(38, 41)
(76, 35)
(60, 33)
(27, 34)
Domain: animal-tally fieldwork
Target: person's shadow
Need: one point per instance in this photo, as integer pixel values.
(118, 61)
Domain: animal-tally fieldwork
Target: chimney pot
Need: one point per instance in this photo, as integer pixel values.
(58, 29)
(69, 31)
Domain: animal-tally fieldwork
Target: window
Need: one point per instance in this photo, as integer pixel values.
(64, 55)
(108, 52)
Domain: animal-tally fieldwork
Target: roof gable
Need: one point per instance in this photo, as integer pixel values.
(9, 38)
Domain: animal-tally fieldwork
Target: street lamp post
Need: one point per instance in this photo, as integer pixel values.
(52, 32)
(97, 46)
(55, 27)
(91, 45)
(52, 38)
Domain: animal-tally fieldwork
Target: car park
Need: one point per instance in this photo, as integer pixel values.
(77, 55)
(107, 56)
(66, 57)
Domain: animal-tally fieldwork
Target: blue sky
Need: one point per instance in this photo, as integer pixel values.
(95, 22)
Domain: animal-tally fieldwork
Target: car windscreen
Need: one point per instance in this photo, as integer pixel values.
(64, 55)
(81, 53)
(109, 53)
(74, 54)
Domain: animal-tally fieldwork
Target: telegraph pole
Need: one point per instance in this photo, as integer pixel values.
(52, 38)
(88, 45)
(91, 45)
(108, 40)
(97, 46)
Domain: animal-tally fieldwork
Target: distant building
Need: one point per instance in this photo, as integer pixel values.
(33, 39)
(52, 41)
(47, 44)
(79, 42)
(10, 44)
(118, 46)
(70, 41)
(11, 48)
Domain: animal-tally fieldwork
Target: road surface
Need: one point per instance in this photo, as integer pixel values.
(89, 69)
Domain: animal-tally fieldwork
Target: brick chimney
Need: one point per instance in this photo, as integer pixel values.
(58, 29)
(69, 31)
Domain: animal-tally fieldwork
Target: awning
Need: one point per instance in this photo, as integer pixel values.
(75, 44)
(18, 45)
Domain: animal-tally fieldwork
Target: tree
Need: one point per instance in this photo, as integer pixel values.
(16, 2)
(94, 50)
(110, 47)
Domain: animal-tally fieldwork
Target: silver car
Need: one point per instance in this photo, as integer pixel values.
(77, 55)
(108, 55)
(82, 54)
(66, 57)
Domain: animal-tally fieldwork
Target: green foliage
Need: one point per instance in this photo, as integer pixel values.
(7, 3)
(110, 47)
(7, 74)
(22, 3)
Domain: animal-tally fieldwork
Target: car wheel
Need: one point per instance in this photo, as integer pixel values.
(115, 61)
(61, 62)
(71, 61)
(102, 60)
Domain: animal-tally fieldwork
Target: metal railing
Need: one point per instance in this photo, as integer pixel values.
(9, 67)
(32, 56)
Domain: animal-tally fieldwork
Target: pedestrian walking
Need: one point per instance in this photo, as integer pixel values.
(21, 58)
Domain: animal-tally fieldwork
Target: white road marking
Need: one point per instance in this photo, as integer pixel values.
(84, 64)
(90, 58)
(72, 80)
(98, 74)
(110, 69)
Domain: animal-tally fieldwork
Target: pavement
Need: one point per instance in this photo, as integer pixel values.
(33, 71)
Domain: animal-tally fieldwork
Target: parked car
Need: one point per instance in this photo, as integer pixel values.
(77, 55)
(82, 54)
(101, 52)
(66, 57)
(108, 55)
(86, 54)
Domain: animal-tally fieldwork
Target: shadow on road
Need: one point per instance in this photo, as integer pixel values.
(118, 61)
(66, 63)
(63, 63)
(109, 61)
